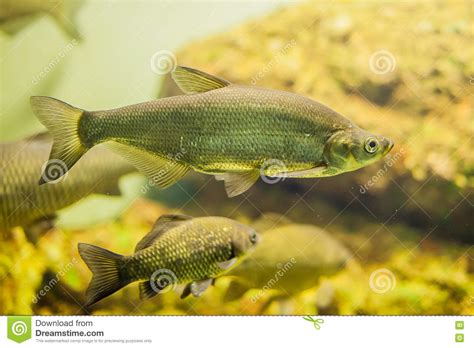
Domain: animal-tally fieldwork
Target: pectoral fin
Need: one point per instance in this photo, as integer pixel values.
(227, 264)
(237, 183)
(163, 171)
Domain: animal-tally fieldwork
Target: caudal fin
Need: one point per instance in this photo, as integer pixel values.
(107, 272)
(62, 121)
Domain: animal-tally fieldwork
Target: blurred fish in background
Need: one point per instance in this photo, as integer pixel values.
(289, 259)
(15, 15)
(24, 203)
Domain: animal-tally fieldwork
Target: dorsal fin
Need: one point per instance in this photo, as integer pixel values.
(163, 224)
(191, 81)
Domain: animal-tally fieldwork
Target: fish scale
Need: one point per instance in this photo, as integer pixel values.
(176, 245)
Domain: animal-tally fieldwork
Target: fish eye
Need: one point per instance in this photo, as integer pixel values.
(253, 238)
(371, 145)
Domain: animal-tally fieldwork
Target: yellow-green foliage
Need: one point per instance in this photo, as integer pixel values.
(428, 279)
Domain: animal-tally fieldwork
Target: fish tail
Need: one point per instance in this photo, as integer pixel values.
(107, 272)
(62, 121)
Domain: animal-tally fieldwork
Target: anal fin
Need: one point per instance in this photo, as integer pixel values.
(163, 171)
(146, 290)
(197, 287)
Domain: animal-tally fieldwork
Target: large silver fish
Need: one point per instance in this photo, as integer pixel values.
(230, 131)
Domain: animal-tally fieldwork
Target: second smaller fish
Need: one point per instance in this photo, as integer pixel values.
(178, 250)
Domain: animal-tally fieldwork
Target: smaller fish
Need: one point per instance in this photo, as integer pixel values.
(179, 249)
(15, 15)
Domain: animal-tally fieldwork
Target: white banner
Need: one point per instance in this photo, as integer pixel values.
(235, 331)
